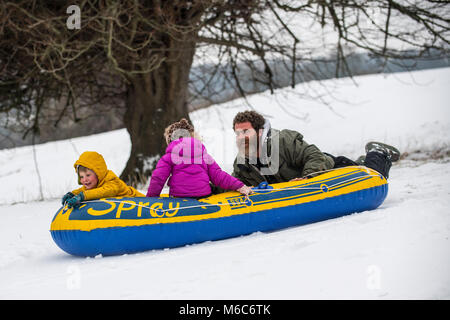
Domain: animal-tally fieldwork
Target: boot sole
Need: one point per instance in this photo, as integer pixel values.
(394, 153)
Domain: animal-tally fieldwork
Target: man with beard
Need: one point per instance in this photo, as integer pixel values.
(267, 154)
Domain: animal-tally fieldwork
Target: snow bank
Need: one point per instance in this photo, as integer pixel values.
(399, 251)
(409, 110)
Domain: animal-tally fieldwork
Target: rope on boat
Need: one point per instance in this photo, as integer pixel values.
(257, 191)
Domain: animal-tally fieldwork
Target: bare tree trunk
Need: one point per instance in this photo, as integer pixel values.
(155, 100)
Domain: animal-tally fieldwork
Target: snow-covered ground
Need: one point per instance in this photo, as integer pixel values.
(399, 251)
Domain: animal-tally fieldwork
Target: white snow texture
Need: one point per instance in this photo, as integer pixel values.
(399, 251)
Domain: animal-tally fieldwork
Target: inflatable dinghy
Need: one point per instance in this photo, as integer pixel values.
(116, 226)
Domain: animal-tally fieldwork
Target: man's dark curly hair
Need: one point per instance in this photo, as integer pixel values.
(256, 120)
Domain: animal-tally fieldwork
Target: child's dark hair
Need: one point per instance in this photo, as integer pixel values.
(256, 120)
(183, 129)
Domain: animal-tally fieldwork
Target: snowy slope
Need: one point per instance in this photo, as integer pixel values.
(401, 250)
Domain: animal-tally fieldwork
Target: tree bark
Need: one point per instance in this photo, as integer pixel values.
(155, 100)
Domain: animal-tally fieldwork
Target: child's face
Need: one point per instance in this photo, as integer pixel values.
(88, 179)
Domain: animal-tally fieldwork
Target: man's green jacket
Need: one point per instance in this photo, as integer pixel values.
(296, 159)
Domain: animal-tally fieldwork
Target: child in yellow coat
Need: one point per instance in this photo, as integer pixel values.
(98, 182)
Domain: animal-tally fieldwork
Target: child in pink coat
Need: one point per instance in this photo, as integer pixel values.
(189, 167)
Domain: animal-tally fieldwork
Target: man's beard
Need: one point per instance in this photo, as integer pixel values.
(249, 148)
